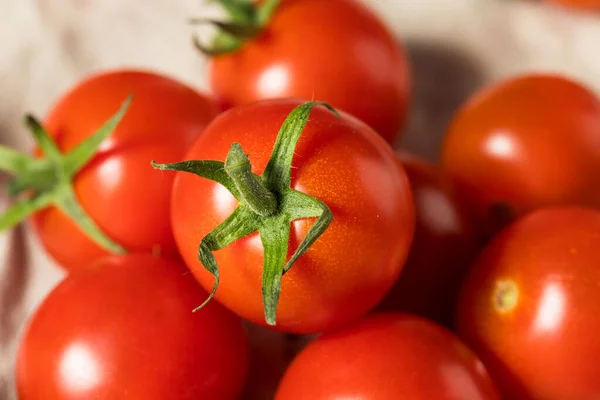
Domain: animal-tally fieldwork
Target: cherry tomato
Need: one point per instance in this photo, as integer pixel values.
(444, 246)
(525, 143)
(341, 162)
(335, 51)
(386, 357)
(124, 329)
(582, 4)
(119, 189)
(530, 306)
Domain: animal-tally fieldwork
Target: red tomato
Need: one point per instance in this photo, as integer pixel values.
(341, 162)
(530, 306)
(524, 143)
(583, 4)
(443, 248)
(335, 51)
(119, 189)
(387, 357)
(125, 330)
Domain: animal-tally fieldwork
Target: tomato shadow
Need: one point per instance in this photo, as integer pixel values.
(443, 77)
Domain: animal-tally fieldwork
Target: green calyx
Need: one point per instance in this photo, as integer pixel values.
(248, 20)
(267, 205)
(47, 181)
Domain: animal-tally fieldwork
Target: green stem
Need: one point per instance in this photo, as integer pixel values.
(258, 208)
(50, 179)
(247, 22)
(252, 190)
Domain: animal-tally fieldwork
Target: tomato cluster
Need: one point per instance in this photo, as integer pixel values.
(266, 240)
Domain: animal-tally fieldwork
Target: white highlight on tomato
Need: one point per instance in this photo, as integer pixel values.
(79, 369)
(437, 211)
(552, 308)
(500, 145)
(273, 81)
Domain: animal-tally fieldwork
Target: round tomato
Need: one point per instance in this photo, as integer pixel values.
(118, 189)
(124, 329)
(339, 161)
(530, 306)
(443, 248)
(386, 357)
(335, 51)
(524, 143)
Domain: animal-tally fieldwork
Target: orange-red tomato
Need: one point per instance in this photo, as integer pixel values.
(582, 4)
(124, 329)
(119, 189)
(387, 357)
(531, 303)
(335, 51)
(341, 162)
(524, 143)
(443, 248)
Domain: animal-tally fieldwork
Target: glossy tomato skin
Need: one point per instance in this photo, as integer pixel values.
(335, 51)
(386, 357)
(343, 163)
(530, 305)
(444, 246)
(125, 330)
(119, 189)
(525, 143)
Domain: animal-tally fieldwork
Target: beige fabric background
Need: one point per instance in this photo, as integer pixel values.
(454, 45)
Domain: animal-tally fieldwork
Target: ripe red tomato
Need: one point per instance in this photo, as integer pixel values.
(118, 189)
(583, 4)
(124, 329)
(335, 51)
(341, 162)
(386, 357)
(443, 248)
(530, 306)
(524, 143)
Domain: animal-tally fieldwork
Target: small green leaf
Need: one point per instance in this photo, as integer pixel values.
(213, 170)
(250, 186)
(23, 209)
(274, 235)
(43, 139)
(81, 155)
(242, 222)
(277, 172)
(67, 202)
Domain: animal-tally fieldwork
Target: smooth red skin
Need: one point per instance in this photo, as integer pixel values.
(444, 246)
(550, 127)
(133, 316)
(342, 162)
(552, 256)
(387, 357)
(119, 189)
(335, 51)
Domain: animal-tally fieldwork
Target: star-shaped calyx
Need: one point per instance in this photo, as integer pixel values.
(266, 204)
(47, 181)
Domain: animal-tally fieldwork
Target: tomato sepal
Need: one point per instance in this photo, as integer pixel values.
(247, 22)
(49, 180)
(267, 204)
